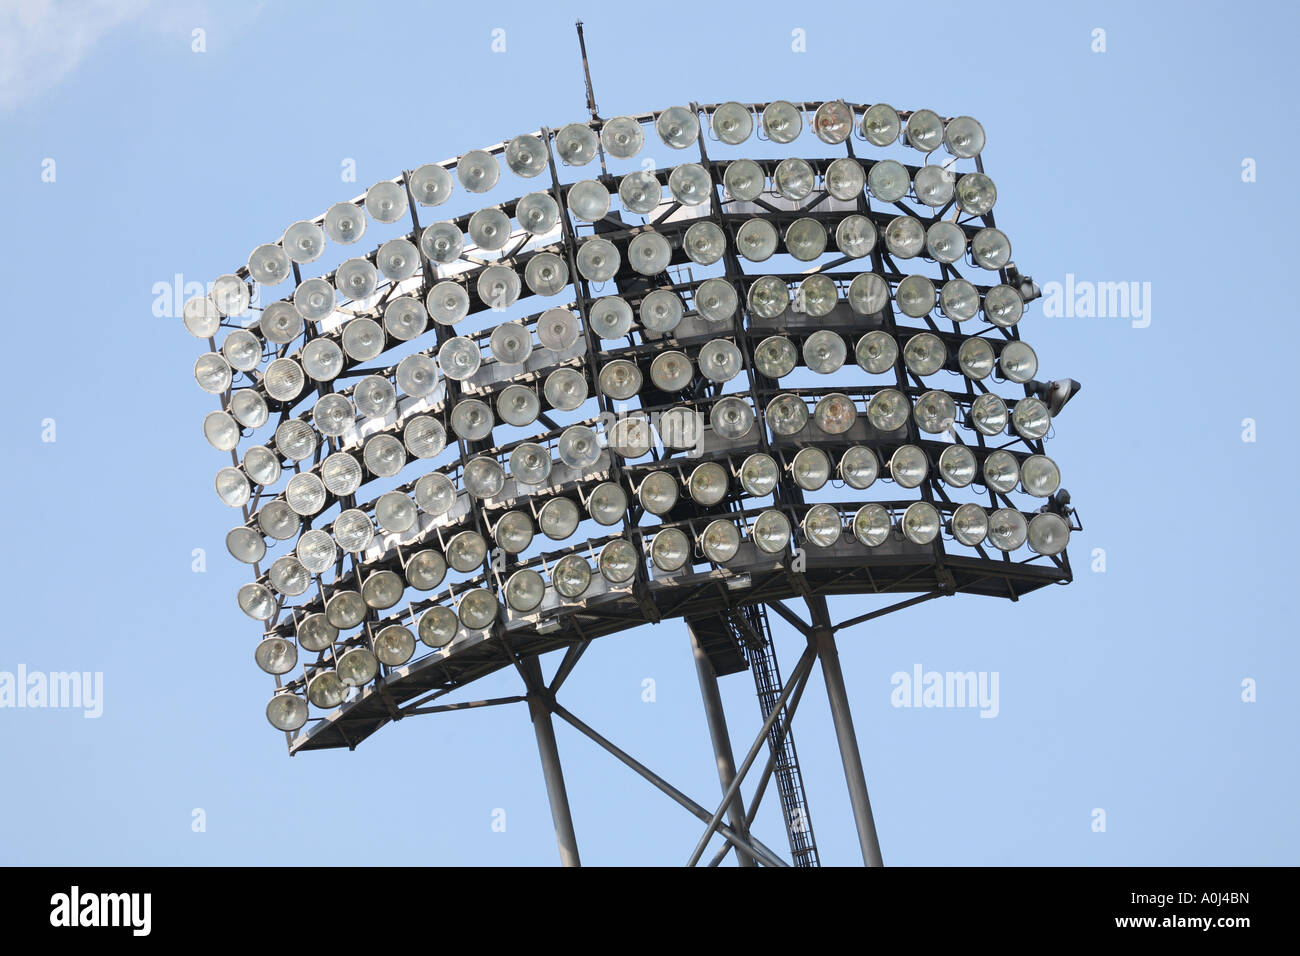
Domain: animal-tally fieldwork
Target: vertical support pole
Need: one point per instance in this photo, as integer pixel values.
(726, 761)
(586, 74)
(539, 709)
(829, 656)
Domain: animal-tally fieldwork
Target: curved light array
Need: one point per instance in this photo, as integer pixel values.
(566, 413)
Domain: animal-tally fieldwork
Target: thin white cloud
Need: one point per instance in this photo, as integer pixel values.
(43, 41)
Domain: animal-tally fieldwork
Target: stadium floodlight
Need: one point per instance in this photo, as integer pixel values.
(630, 394)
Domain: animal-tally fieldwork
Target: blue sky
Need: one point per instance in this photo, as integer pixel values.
(1121, 692)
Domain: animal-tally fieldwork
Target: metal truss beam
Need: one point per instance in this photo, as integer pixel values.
(571, 658)
(462, 705)
(761, 852)
(872, 615)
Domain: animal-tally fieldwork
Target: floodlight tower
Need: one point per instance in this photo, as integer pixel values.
(698, 391)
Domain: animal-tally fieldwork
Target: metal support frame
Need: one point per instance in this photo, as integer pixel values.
(800, 669)
(721, 740)
(781, 735)
(823, 640)
(775, 733)
(761, 852)
(783, 759)
(540, 705)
